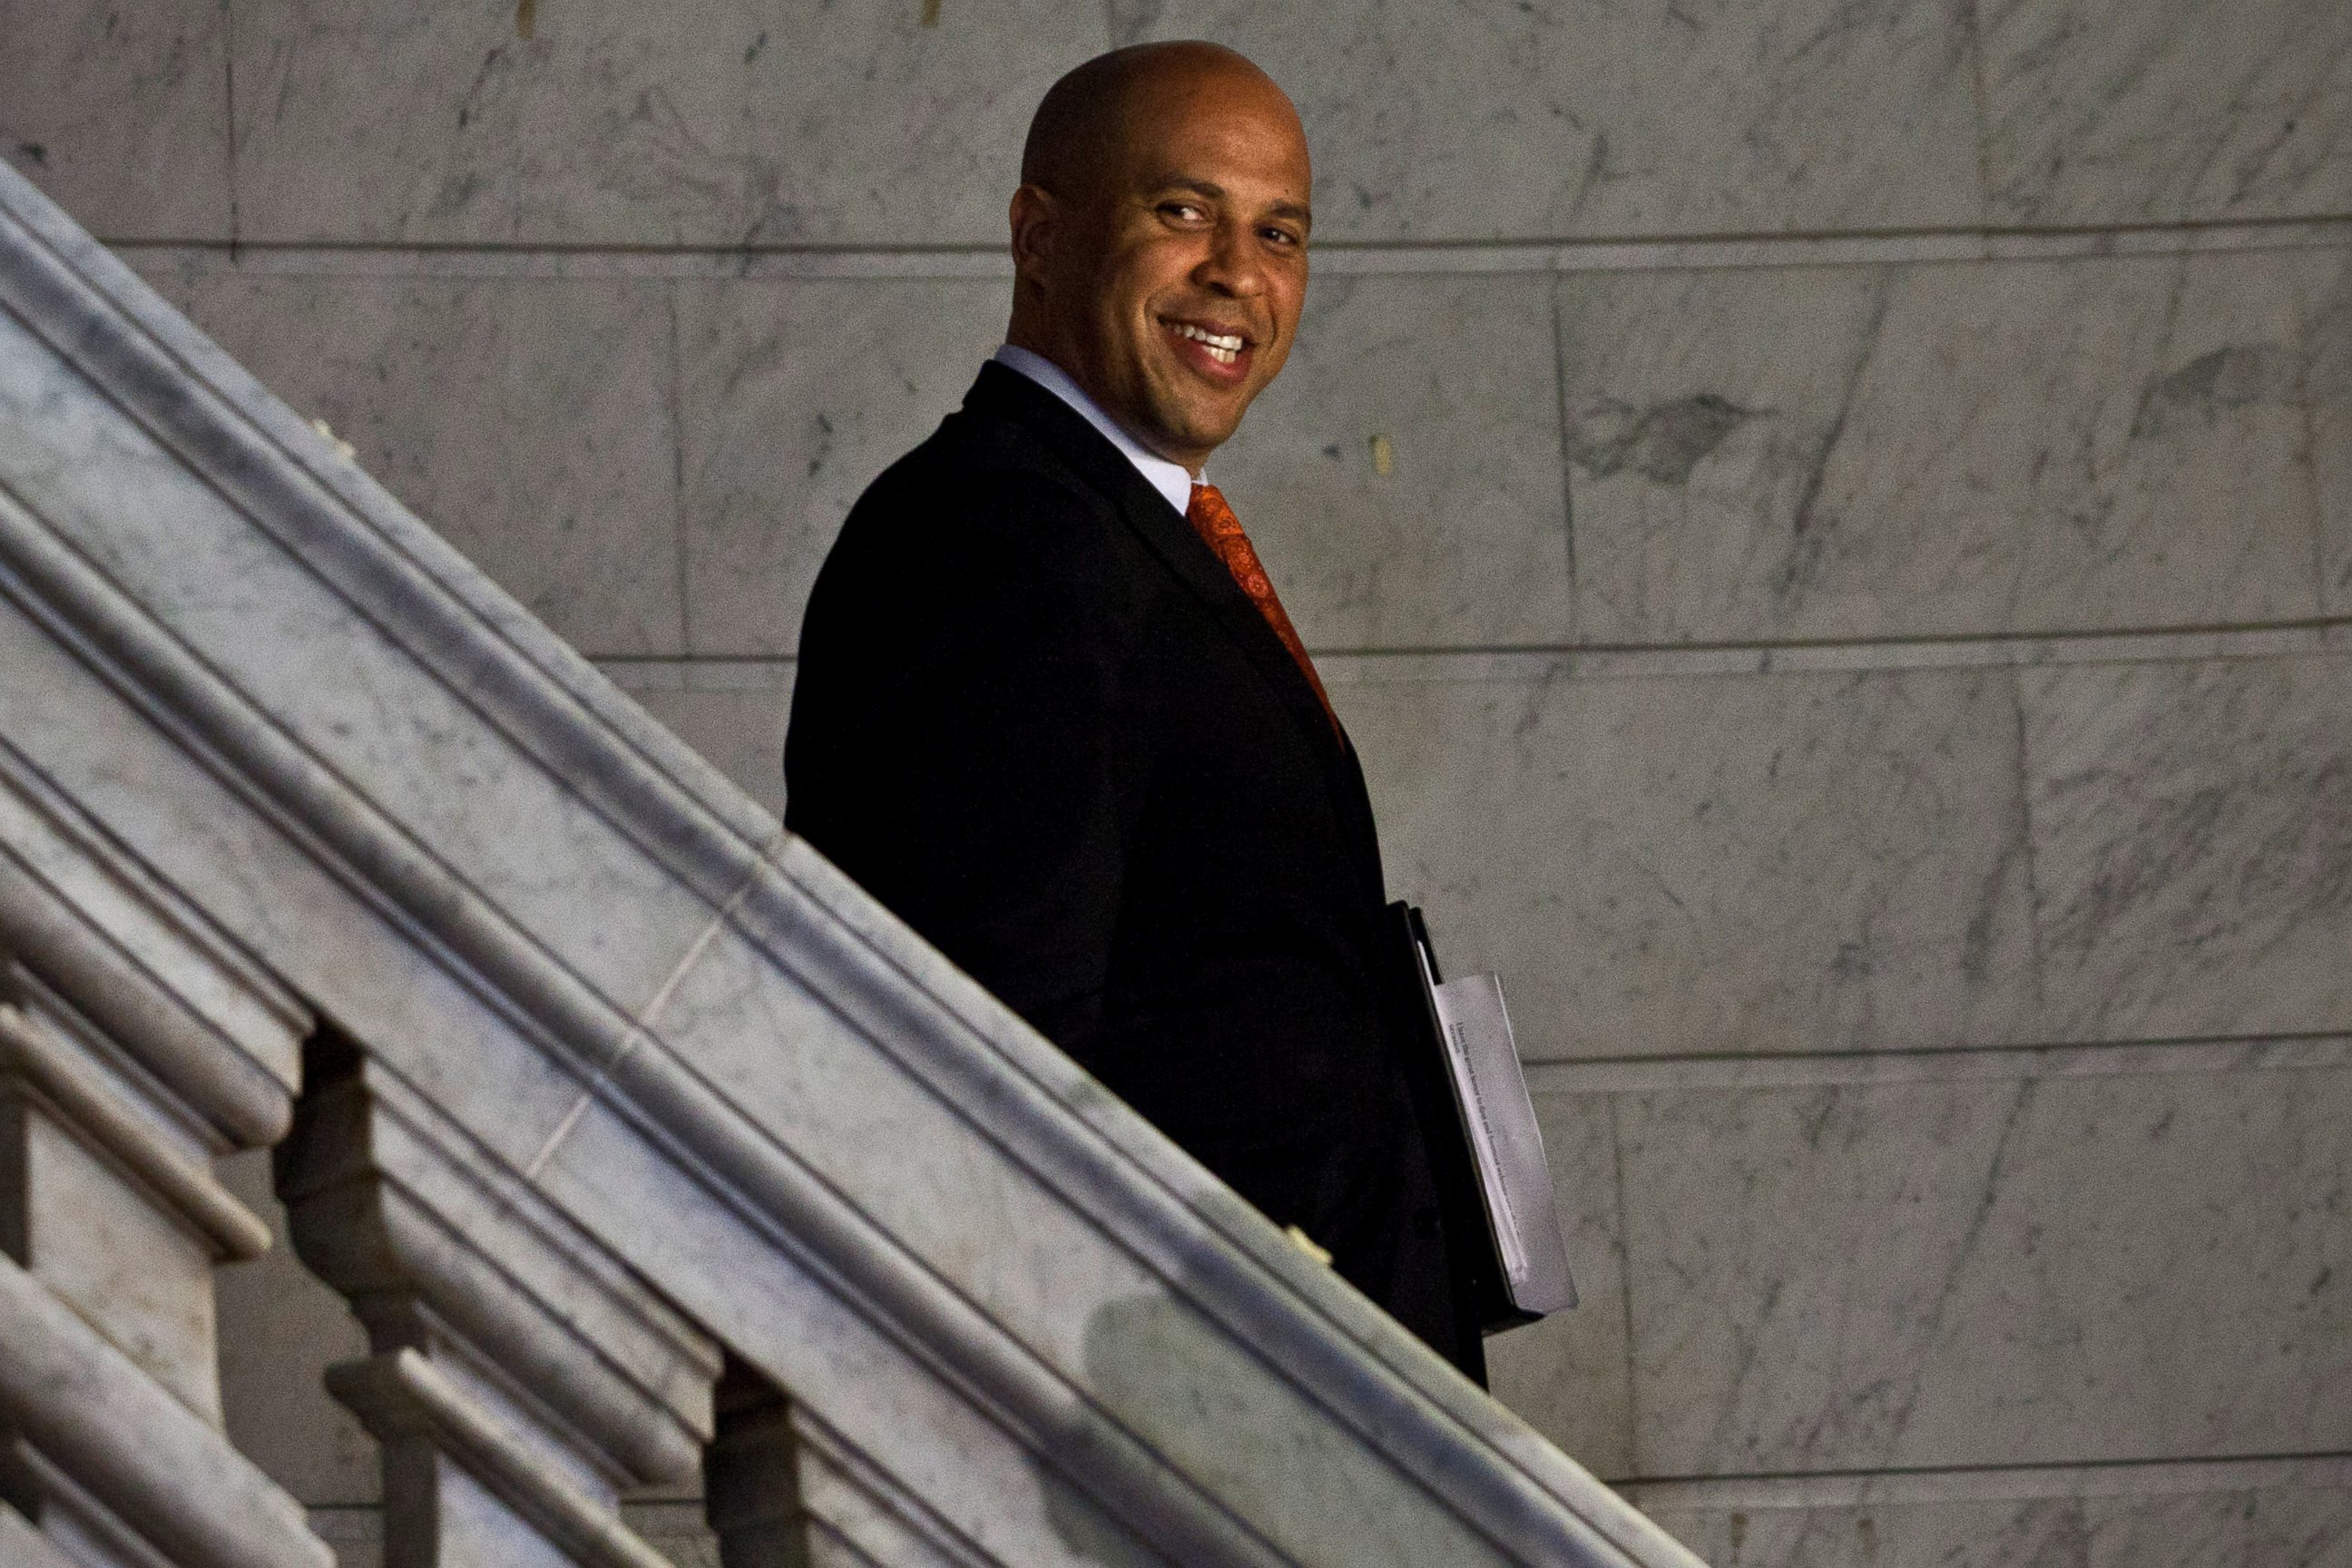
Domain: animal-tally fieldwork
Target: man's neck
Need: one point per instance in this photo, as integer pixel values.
(1172, 481)
(1059, 355)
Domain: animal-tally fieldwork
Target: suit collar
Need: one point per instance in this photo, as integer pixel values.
(1174, 485)
(1008, 394)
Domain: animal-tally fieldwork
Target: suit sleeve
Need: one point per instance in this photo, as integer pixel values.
(957, 742)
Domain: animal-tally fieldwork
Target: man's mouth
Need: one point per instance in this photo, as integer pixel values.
(1225, 348)
(1220, 353)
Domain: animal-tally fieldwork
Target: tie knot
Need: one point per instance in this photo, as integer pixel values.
(1209, 514)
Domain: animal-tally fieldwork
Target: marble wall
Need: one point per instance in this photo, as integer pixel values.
(1831, 521)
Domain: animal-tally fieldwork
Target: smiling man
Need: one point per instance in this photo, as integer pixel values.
(1050, 710)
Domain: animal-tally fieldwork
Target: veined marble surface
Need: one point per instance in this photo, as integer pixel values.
(120, 112)
(1668, 864)
(534, 426)
(868, 123)
(1402, 477)
(1939, 450)
(1501, 119)
(1922, 1275)
(1716, 865)
(723, 121)
(794, 396)
(2192, 833)
(2270, 1529)
(2040, 1533)
(2102, 112)
(2284, 1527)
(361, 121)
(707, 122)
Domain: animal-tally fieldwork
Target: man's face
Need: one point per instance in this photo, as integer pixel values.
(1173, 287)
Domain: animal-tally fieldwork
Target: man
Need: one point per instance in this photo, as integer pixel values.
(1050, 711)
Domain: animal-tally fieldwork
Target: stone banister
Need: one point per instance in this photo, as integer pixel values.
(637, 1136)
(136, 1045)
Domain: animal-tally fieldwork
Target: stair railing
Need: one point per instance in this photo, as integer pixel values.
(639, 1138)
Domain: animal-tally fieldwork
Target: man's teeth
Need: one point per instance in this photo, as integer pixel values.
(1225, 348)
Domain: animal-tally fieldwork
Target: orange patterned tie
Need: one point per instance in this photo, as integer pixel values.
(1221, 530)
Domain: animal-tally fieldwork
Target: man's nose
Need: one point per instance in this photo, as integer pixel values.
(1234, 266)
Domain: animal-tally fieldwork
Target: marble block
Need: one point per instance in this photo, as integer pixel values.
(1570, 1376)
(1714, 865)
(2279, 1527)
(1402, 477)
(2036, 1533)
(794, 396)
(869, 125)
(119, 113)
(2105, 112)
(369, 120)
(2191, 1530)
(1543, 118)
(710, 123)
(1938, 450)
(530, 420)
(1856, 1277)
(2192, 847)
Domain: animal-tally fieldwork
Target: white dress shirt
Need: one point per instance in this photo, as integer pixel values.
(1172, 481)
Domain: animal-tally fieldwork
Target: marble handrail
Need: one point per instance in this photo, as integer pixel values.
(146, 1457)
(613, 1075)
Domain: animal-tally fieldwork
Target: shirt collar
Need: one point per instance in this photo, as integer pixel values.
(1172, 481)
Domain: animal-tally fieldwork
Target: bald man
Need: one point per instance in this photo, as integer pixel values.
(1049, 709)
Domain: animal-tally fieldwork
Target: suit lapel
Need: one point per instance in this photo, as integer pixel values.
(1162, 529)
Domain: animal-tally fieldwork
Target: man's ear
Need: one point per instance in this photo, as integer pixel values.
(1034, 218)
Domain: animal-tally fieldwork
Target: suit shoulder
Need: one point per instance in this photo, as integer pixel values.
(974, 494)
(964, 527)
(973, 465)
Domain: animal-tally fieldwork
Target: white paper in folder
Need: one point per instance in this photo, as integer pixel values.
(1500, 1119)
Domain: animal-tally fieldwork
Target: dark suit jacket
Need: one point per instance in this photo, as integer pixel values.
(1035, 716)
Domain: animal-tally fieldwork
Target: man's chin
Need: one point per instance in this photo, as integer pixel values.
(1201, 429)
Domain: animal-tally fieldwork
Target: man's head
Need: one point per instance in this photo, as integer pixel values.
(1162, 214)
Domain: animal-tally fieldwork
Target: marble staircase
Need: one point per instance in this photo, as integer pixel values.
(642, 1144)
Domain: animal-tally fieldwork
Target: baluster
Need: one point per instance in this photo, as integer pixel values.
(520, 1379)
(135, 1045)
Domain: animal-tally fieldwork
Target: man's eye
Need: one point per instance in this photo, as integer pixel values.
(1184, 210)
(1280, 236)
